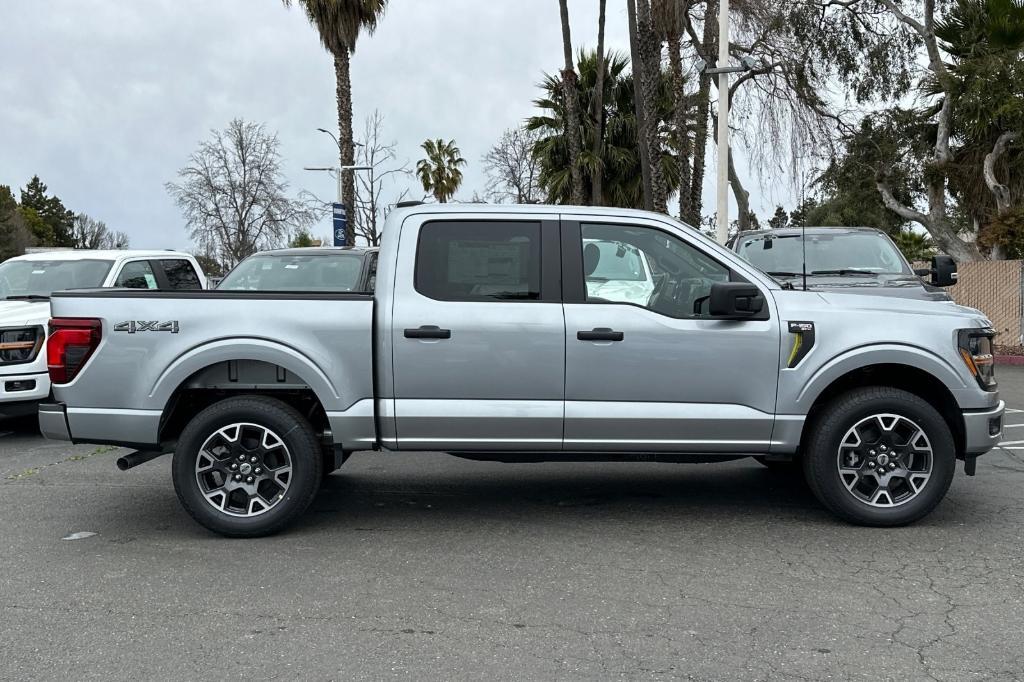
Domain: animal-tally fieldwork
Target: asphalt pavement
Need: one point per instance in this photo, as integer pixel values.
(424, 566)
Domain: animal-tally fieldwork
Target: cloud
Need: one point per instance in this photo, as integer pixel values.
(105, 99)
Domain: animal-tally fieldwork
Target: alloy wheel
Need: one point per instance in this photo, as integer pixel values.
(243, 469)
(885, 460)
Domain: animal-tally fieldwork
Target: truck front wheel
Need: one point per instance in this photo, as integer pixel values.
(247, 466)
(879, 456)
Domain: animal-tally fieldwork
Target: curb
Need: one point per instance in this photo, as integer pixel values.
(1010, 359)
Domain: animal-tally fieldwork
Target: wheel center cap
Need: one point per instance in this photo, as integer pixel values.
(882, 459)
(245, 468)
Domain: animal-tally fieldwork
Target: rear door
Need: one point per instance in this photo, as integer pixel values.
(478, 335)
(647, 369)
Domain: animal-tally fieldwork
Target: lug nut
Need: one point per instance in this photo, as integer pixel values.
(871, 464)
(259, 470)
(892, 465)
(871, 452)
(238, 477)
(253, 458)
(883, 448)
(249, 479)
(241, 458)
(233, 466)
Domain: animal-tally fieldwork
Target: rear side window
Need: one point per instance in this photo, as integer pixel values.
(180, 274)
(136, 275)
(479, 261)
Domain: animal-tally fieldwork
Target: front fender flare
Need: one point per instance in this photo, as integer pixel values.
(877, 354)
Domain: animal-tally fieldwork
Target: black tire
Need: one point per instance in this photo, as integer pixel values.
(300, 445)
(821, 456)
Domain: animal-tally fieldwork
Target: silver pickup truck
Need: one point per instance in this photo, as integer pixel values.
(527, 334)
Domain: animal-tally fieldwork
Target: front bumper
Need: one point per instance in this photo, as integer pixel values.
(53, 421)
(983, 429)
(28, 387)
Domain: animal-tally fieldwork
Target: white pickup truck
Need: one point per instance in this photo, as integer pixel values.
(26, 283)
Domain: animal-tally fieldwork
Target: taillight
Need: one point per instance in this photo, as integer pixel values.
(72, 340)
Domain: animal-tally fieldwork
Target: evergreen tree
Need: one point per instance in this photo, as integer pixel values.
(50, 222)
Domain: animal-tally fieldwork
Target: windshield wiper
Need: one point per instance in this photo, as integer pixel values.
(843, 271)
(28, 297)
(786, 274)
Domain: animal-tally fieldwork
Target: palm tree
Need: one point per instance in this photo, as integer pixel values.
(620, 162)
(649, 70)
(572, 113)
(669, 20)
(339, 23)
(596, 173)
(439, 172)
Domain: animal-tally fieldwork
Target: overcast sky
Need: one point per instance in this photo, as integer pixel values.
(105, 99)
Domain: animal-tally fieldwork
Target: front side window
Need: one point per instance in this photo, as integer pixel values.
(479, 261)
(180, 274)
(136, 275)
(647, 267)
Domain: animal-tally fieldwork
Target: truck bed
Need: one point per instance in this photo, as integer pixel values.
(156, 343)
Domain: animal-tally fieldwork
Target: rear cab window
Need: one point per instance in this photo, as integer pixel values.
(479, 261)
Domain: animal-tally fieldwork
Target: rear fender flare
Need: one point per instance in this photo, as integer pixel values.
(263, 350)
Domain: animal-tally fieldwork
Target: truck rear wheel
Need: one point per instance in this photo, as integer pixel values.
(880, 456)
(247, 466)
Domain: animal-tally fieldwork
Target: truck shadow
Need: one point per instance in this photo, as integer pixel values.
(448, 488)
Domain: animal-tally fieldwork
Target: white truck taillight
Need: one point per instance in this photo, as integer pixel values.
(72, 340)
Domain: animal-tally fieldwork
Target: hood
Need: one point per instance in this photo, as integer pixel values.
(881, 285)
(885, 300)
(24, 313)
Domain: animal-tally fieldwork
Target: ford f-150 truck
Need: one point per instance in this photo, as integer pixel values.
(485, 338)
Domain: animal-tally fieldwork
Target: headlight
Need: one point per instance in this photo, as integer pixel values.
(976, 351)
(20, 345)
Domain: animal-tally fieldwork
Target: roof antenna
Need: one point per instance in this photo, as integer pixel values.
(803, 246)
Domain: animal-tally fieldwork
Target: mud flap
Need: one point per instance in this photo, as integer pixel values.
(970, 464)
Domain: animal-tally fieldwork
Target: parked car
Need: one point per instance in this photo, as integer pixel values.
(837, 258)
(305, 269)
(482, 340)
(26, 283)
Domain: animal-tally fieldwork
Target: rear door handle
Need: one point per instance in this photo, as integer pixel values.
(600, 334)
(428, 331)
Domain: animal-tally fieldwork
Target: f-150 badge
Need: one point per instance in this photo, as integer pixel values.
(132, 326)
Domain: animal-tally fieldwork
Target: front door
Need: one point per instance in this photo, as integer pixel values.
(647, 370)
(478, 336)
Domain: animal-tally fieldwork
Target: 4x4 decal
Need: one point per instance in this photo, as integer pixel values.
(132, 326)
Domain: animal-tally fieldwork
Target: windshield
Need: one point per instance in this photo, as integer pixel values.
(618, 262)
(41, 278)
(299, 272)
(869, 252)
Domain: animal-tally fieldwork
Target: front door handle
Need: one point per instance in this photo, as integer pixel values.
(428, 331)
(600, 334)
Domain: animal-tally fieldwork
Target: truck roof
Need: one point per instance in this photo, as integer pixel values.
(526, 209)
(102, 254)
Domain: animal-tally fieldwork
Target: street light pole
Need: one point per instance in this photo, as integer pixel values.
(722, 229)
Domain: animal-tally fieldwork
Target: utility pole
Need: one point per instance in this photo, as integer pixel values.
(722, 70)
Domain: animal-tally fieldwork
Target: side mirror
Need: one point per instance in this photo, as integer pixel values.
(943, 272)
(735, 300)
